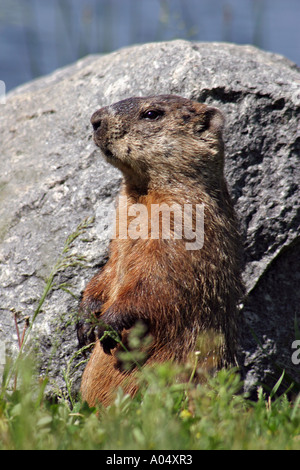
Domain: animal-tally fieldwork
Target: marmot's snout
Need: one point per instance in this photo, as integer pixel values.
(108, 129)
(99, 121)
(96, 121)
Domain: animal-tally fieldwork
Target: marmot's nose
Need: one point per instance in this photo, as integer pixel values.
(96, 120)
(96, 124)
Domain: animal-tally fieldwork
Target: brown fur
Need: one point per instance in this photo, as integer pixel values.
(174, 154)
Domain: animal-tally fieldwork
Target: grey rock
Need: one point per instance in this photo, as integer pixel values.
(52, 177)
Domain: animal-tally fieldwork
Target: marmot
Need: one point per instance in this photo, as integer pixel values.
(170, 151)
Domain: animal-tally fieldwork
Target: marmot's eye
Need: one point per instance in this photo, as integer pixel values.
(152, 114)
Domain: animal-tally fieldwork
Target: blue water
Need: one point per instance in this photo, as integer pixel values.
(38, 36)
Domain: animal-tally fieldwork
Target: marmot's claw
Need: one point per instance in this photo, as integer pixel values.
(85, 333)
(109, 338)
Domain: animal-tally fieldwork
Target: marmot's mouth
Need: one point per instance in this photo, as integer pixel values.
(108, 153)
(103, 146)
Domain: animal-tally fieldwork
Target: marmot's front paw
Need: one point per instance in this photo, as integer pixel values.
(109, 330)
(109, 338)
(88, 332)
(85, 332)
(111, 326)
(89, 311)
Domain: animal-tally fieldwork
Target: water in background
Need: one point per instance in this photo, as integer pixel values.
(38, 36)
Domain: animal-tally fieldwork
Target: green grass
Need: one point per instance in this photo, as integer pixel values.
(165, 415)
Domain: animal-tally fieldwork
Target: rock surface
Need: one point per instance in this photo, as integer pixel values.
(52, 178)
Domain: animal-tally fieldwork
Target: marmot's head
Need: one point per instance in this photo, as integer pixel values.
(160, 139)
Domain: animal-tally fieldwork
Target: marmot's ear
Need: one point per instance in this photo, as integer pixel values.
(215, 119)
(211, 119)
